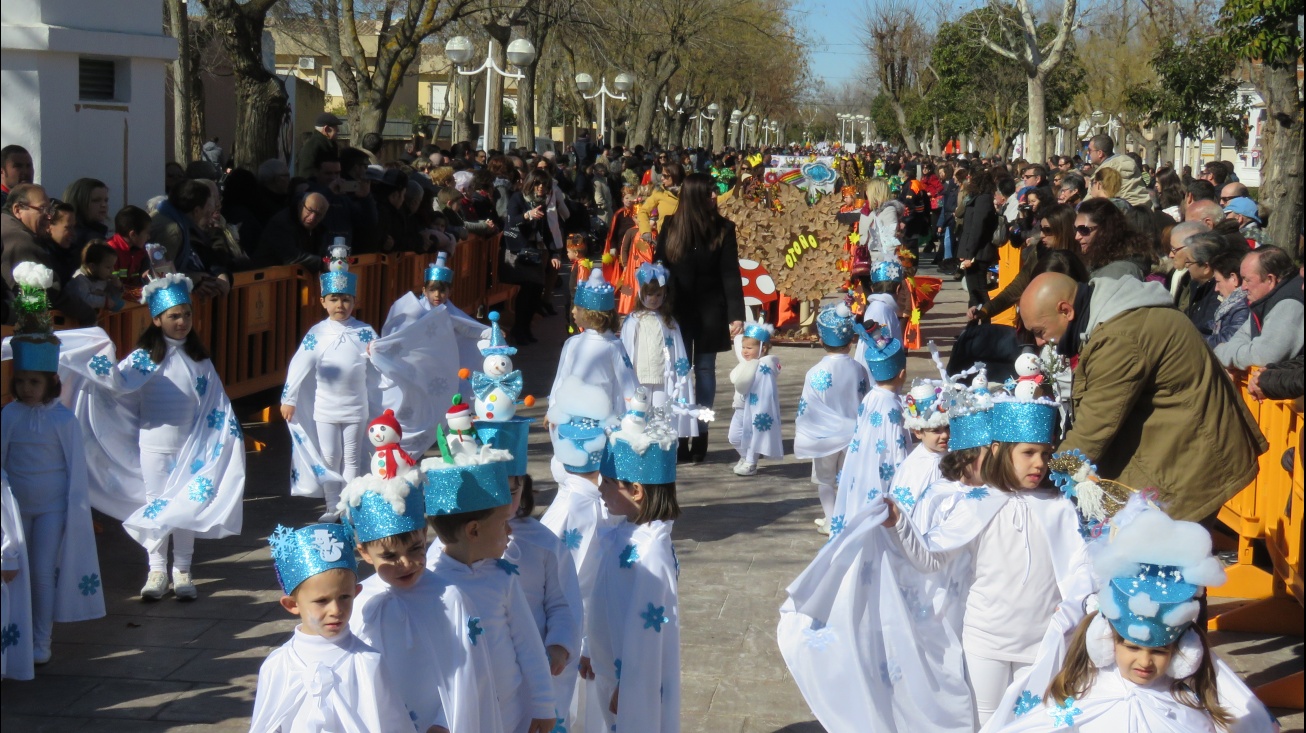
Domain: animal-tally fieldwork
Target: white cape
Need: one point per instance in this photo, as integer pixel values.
(467, 330)
(881, 308)
(16, 595)
(420, 373)
(677, 385)
(827, 409)
(879, 445)
(755, 425)
(599, 360)
(204, 491)
(915, 475)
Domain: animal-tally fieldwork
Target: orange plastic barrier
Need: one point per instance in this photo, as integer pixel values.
(1008, 266)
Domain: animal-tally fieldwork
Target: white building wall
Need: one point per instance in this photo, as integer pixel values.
(121, 141)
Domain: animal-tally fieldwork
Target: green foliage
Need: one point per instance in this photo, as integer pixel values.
(1195, 89)
(886, 123)
(1263, 30)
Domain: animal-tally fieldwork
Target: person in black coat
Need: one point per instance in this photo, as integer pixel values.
(699, 249)
(976, 250)
(525, 250)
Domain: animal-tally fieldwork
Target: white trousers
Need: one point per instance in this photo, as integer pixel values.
(989, 680)
(825, 474)
(339, 441)
(44, 533)
(155, 468)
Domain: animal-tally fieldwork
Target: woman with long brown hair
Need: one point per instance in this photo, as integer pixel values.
(699, 248)
(1056, 228)
(1109, 247)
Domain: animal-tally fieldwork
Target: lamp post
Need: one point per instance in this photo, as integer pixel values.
(623, 83)
(865, 123)
(735, 118)
(714, 109)
(775, 132)
(750, 123)
(844, 118)
(521, 53)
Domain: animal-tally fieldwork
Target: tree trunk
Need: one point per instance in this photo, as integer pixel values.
(464, 120)
(526, 105)
(368, 115)
(492, 125)
(544, 115)
(1036, 142)
(1281, 174)
(179, 24)
(907, 137)
(261, 99)
(642, 134)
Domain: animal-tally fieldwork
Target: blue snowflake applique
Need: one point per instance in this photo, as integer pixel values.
(901, 442)
(752, 398)
(101, 365)
(979, 492)
(558, 723)
(196, 465)
(863, 386)
(895, 416)
(10, 636)
(886, 471)
(819, 636)
(854, 446)
(764, 369)
(1026, 702)
(200, 490)
(217, 450)
(802, 406)
(90, 584)
(628, 556)
(285, 392)
(822, 380)
(298, 436)
(310, 342)
(861, 408)
(626, 360)
(142, 362)
(682, 367)
(217, 419)
(902, 495)
(837, 524)
(571, 538)
(763, 422)
(294, 476)
(1063, 715)
(654, 617)
(474, 628)
(881, 446)
(233, 427)
(366, 335)
(201, 385)
(877, 419)
(670, 343)
(507, 567)
(870, 495)
(153, 509)
(319, 470)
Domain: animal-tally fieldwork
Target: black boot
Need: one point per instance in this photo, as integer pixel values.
(682, 451)
(698, 445)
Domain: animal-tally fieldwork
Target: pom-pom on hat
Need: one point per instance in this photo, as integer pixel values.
(835, 325)
(377, 508)
(165, 292)
(438, 271)
(35, 347)
(885, 357)
(596, 294)
(760, 331)
(338, 280)
(496, 345)
(452, 489)
(299, 554)
(389, 420)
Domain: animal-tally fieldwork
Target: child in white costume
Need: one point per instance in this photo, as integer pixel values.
(470, 506)
(43, 455)
(927, 595)
(880, 442)
(882, 306)
(435, 298)
(827, 409)
(925, 414)
(15, 591)
(652, 340)
(755, 425)
(633, 630)
(595, 356)
(169, 451)
(1138, 663)
(418, 623)
(323, 678)
(338, 386)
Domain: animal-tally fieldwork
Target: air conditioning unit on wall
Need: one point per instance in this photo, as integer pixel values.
(307, 62)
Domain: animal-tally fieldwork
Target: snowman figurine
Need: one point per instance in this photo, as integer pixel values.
(636, 416)
(389, 461)
(461, 439)
(979, 388)
(498, 385)
(1029, 377)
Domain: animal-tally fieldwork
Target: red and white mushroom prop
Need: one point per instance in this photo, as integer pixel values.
(759, 288)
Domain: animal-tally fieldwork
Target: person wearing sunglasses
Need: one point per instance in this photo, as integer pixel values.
(1108, 246)
(1056, 231)
(25, 231)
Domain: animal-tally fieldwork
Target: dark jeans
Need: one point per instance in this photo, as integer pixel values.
(977, 283)
(526, 303)
(704, 379)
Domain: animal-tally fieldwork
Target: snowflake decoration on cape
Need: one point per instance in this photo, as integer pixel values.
(201, 385)
(616, 663)
(877, 419)
(474, 628)
(1026, 702)
(886, 471)
(670, 343)
(654, 617)
(837, 525)
(285, 392)
(901, 442)
(822, 380)
(319, 470)
(196, 465)
(101, 365)
(217, 450)
(895, 416)
(626, 360)
(153, 509)
(819, 638)
(870, 495)
(294, 476)
(682, 367)
(628, 556)
(200, 490)
(142, 362)
(763, 422)
(571, 538)
(10, 636)
(902, 495)
(366, 335)
(298, 436)
(752, 398)
(854, 446)
(217, 419)
(233, 428)
(802, 406)
(90, 584)
(863, 387)
(1063, 715)
(310, 342)
(764, 369)
(979, 492)
(507, 567)
(881, 446)
(861, 408)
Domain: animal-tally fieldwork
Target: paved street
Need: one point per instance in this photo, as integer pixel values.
(170, 666)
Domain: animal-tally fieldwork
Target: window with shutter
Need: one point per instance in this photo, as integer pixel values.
(97, 80)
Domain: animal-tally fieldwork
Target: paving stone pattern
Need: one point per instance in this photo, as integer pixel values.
(171, 666)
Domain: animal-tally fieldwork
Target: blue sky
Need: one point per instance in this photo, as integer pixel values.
(832, 27)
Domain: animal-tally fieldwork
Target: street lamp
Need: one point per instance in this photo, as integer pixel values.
(709, 114)
(750, 123)
(623, 83)
(865, 123)
(735, 118)
(459, 49)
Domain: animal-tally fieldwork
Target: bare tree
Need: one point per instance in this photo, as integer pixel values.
(899, 47)
(261, 100)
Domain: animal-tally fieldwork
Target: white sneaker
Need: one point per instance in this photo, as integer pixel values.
(40, 656)
(184, 586)
(745, 469)
(823, 527)
(820, 521)
(156, 585)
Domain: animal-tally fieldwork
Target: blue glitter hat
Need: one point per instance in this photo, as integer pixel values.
(299, 554)
(438, 271)
(338, 280)
(885, 358)
(580, 444)
(886, 271)
(835, 325)
(32, 355)
(164, 292)
(643, 451)
(379, 508)
(496, 345)
(1151, 608)
(1022, 421)
(510, 435)
(596, 294)
(760, 331)
(452, 489)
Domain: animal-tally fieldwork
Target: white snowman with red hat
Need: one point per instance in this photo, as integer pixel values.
(389, 461)
(461, 438)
